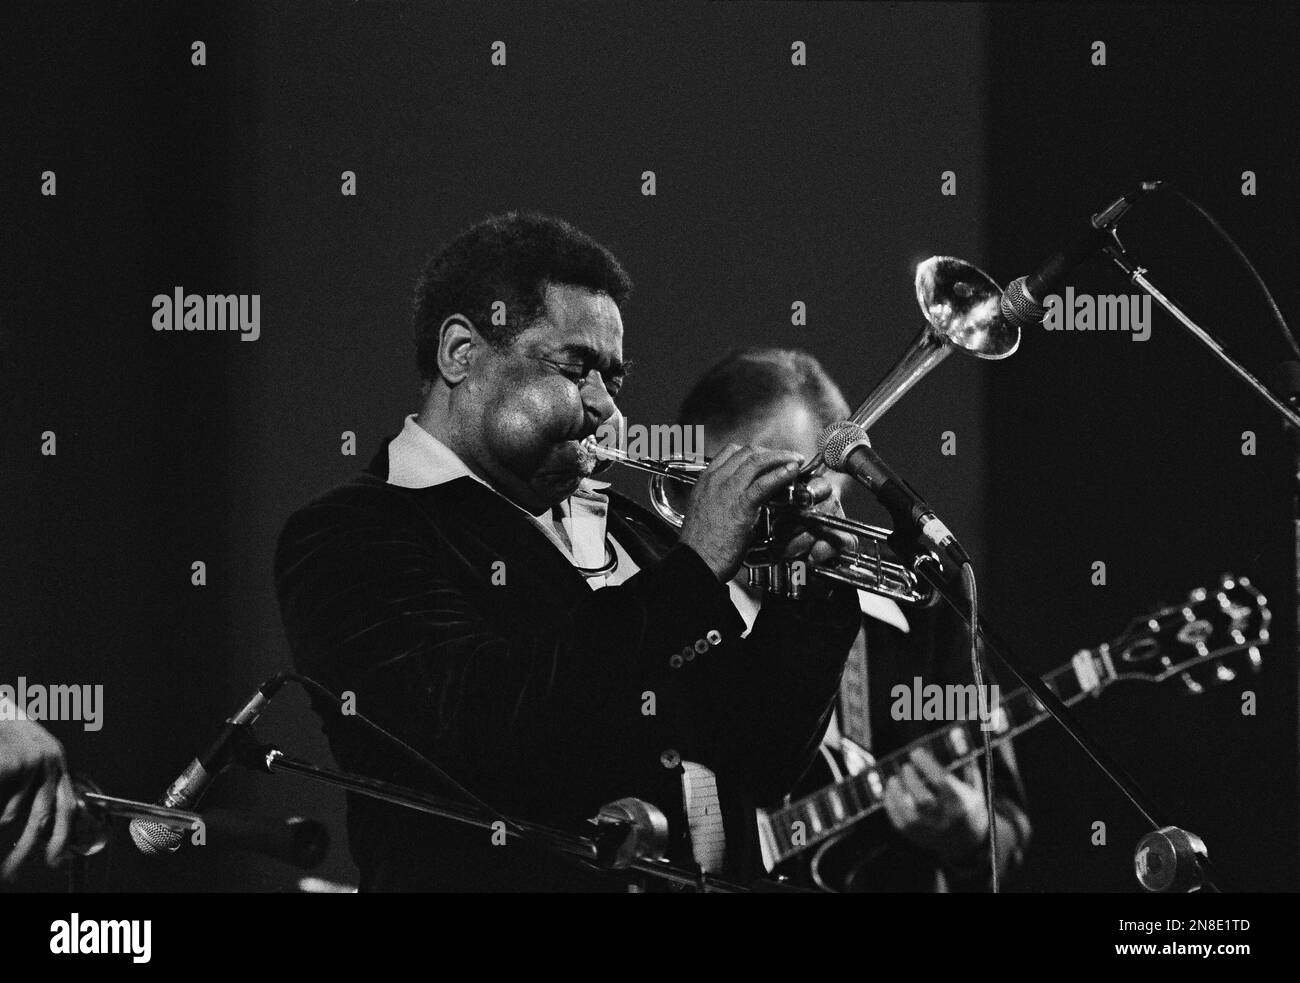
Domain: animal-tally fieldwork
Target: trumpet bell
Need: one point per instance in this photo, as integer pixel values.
(962, 305)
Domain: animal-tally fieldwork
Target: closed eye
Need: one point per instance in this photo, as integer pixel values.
(577, 373)
(572, 371)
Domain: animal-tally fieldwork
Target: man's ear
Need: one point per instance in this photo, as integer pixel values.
(457, 344)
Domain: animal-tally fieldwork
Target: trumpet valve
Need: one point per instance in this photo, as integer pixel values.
(793, 584)
(779, 579)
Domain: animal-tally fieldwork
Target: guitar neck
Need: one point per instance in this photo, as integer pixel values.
(791, 828)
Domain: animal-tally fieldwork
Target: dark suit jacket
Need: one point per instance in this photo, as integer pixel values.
(536, 692)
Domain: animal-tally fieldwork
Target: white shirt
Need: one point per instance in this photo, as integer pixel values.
(417, 459)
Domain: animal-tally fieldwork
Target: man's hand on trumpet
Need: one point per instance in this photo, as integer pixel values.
(727, 499)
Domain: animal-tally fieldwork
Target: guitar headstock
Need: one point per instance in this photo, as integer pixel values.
(1211, 638)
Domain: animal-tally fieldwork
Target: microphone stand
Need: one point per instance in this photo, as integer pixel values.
(1137, 275)
(588, 850)
(1196, 871)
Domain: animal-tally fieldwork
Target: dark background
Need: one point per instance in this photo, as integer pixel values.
(775, 184)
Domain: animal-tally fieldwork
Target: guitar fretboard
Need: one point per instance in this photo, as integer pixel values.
(800, 824)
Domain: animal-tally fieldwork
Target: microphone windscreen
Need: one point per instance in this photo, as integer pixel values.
(154, 839)
(1018, 308)
(839, 439)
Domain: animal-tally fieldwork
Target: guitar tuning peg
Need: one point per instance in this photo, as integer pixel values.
(1193, 688)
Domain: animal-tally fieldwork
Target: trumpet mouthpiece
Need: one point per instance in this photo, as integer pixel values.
(595, 457)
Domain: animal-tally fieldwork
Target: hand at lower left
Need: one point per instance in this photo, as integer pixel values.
(36, 795)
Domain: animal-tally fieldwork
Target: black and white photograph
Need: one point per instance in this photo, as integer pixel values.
(572, 447)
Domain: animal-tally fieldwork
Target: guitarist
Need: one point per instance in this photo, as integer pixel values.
(937, 829)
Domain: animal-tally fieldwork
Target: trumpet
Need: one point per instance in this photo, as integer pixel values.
(960, 304)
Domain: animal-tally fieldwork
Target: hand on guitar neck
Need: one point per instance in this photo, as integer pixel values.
(936, 810)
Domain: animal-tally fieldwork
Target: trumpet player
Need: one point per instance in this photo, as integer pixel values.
(540, 638)
(938, 825)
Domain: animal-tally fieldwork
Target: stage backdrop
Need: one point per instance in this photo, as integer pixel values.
(1138, 454)
(775, 183)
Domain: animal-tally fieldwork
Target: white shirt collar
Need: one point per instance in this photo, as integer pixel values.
(576, 527)
(418, 459)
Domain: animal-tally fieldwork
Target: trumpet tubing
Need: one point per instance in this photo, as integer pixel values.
(870, 568)
(960, 304)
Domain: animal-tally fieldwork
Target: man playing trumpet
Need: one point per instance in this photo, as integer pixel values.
(539, 638)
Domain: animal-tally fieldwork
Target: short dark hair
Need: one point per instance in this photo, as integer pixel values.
(751, 381)
(509, 258)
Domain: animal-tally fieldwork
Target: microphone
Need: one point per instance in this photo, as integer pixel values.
(297, 841)
(629, 829)
(1022, 301)
(846, 448)
(153, 839)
